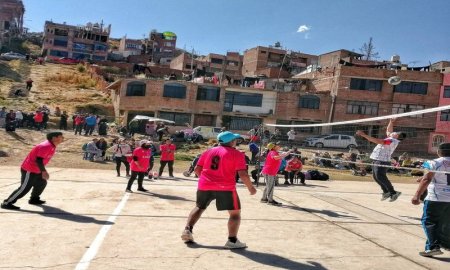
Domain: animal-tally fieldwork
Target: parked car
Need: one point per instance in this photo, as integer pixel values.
(12, 56)
(67, 61)
(331, 140)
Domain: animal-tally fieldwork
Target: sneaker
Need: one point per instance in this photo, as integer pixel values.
(128, 175)
(128, 190)
(430, 253)
(286, 183)
(142, 189)
(155, 175)
(395, 196)
(187, 236)
(10, 206)
(264, 200)
(36, 202)
(303, 184)
(385, 196)
(238, 244)
(273, 202)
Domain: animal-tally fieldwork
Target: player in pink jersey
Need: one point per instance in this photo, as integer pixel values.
(270, 171)
(139, 165)
(34, 174)
(217, 169)
(167, 156)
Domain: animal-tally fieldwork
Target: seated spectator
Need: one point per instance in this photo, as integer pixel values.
(93, 153)
(294, 169)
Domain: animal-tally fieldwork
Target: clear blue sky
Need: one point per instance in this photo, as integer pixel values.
(417, 30)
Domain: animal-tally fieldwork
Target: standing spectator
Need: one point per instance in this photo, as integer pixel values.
(90, 121)
(29, 83)
(217, 168)
(161, 132)
(121, 151)
(254, 134)
(73, 121)
(254, 149)
(10, 121)
(436, 206)
(133, 127)
(139, 165)
(167, 157)
(79, 122)
(19, 118)
(150, 129)
(63, 120)
(270, 171)
(291, 136)
(38, 119)
(381, 155)
(45, 118)
(34, 174)
(3, 113)
(103, 127)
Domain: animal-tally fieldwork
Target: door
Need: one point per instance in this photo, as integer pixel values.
(204, 120)
(331, 141)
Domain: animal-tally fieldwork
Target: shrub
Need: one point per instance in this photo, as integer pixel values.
(81, 68)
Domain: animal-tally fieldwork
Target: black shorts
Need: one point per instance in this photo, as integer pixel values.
(225, 200)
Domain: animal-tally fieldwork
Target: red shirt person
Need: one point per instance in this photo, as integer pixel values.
(167, 156)
(139, 165)
(34, 173)
(217, 168)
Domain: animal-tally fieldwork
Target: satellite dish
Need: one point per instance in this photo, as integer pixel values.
(394, 80)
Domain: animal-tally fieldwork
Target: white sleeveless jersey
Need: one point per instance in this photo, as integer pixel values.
(439, 187)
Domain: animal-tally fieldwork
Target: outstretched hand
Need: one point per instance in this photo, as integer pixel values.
(360, 133)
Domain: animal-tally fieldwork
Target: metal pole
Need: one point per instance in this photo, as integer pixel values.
(259, 131)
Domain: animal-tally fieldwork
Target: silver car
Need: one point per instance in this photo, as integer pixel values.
(12, 56)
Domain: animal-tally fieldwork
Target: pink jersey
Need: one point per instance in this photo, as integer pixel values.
(143, 157)
(44, 150)
(167, 152)
(271, 166)
(219, 167)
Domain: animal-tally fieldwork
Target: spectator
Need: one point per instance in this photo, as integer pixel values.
(294, 169)
(161, 132)
(133, 127)
(63, 120)
(3, 113)
(121, 151)
(29, 83)
(19, 118)
(150, 129)
(291, 136)
(90, 121)
(79, 122)
(102, 145)
(45, 118)
(167, 157)
(92, 150)
(38, 119)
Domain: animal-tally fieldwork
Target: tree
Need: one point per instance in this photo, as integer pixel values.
(368, 50)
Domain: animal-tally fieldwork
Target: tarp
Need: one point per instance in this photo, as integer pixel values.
(149, 118)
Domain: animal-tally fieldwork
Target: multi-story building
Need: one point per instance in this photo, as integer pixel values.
(274, 62)
(442, 131)
(356, 89)
(129, 47)
(160, 47)
(11, 19)
(227, 67)
(78, 42)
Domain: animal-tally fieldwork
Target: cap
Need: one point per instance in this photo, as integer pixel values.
(142, 142)
(271, 145)
(226, 137)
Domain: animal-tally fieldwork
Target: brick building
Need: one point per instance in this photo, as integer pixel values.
(11, 19)
(160, 47)
(129, 47)
(442, 132)
(274, 62)
(79, 42)
(357, 89)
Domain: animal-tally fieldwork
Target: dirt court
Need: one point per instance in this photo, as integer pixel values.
(89, 222)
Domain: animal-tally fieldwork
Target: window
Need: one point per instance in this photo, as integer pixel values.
(365, 84)
(60, 43)
(362, 107)
(216, 61)
(411, 132)
(445, 115)
(446, 91)
(136, 89)
(174, 90)
(208, 93)
(244, 99)
(437, 140)
(332, 138)
(59, 53)
(100, 47)
(180, 119)
(243, 123)
(411, 88)
(343, 137)
(402, 108)
(309, 102)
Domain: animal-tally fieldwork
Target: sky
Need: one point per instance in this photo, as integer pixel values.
(416, 30)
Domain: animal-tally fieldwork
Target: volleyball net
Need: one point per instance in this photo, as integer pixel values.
(336, 145)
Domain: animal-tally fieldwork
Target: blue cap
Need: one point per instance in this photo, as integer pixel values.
(226, 137)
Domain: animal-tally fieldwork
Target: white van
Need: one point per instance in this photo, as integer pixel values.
(208, 132)
(331, 140)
